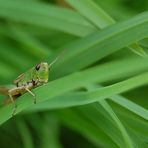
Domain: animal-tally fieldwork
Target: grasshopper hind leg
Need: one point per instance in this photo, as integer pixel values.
(16, 92)
(13, 94)
(15, 106)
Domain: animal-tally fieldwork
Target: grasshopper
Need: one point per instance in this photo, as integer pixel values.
(25, 82)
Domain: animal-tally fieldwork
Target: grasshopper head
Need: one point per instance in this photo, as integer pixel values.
(42, 72)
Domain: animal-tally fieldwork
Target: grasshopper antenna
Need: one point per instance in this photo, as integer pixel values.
(56, 59)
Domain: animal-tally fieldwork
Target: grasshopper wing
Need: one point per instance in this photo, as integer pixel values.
(19, 78)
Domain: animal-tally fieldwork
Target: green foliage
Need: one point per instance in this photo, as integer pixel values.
(93, 97)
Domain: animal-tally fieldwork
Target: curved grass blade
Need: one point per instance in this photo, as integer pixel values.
(25, 133)
(124, 134)
(103, 43)
(86, 128)
(55, 88)
(90, 10)
(33, 47)
(131, 106)
(47, 16)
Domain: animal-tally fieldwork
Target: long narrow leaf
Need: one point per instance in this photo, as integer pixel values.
(100, 18)
(56, 88)
(46, 16)
(103, 43)
(127, 140)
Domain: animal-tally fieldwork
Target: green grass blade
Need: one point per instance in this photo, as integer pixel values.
(92, 12)
(33, 47)
(76, 99)
(136, 126)
(116, 69)
(46, 16)
(136, 48)
(25, 134)
(127, 140)
(133, 107)
(100, 18)
(93, 113)
(103, 43)
(85, 127)
(56, 88)
(50, 132)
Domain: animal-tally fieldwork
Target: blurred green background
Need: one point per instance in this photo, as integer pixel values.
(32, 31)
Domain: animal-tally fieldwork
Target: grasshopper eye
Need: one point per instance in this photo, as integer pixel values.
(37, 67)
